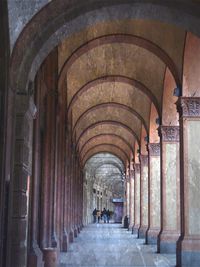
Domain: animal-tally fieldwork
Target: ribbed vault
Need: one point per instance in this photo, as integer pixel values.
(108, 170)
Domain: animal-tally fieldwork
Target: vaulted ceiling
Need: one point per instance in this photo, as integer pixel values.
(114, 74)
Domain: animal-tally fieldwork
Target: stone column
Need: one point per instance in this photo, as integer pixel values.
(35, 255)
(143, 196)
(137, 197)
(188, 249)
(154, 193)
(170, 188)
(25, 111)
(128, 196)
(131, 212)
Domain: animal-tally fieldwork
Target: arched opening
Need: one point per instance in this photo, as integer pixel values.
(94, 83)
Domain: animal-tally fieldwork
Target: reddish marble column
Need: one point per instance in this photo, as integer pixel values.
(143, 196)
(170, 188)
(137, 197)
(154, 193)
(188, 248)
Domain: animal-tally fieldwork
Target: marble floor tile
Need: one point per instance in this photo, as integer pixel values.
(110, 245)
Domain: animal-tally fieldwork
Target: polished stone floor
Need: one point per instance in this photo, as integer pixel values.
(109, 245)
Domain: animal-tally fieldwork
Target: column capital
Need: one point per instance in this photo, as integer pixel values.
(169, 133)
(154, 149)
(188, 106)
(144, 159)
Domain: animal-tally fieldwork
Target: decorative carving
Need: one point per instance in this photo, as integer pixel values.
(144, 159)
(188, 106)
(154, 149)
(169, 133)
(137, 167)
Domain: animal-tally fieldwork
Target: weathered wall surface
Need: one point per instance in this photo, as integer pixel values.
(20, 12)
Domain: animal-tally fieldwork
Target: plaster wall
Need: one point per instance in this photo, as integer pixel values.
(20, 12)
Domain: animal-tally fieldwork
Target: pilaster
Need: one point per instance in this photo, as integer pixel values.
(154, 193)
(143, 196)
(188, 248)
(137, 197)
(170, 188)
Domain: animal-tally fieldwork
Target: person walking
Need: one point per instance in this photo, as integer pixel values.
(98, 215)
(108, 216)
(104, 215)
(94, 213)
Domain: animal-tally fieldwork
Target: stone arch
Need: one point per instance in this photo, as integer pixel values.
(107, 129)
(109, 145)
(104, 149)
(169, 110)
(114, 78)
(154, 124)
(104, 135)
(121, 38)
(47, 26)
(108, 122)
(103, 105)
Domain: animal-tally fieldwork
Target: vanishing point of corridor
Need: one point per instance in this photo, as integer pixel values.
(109, 245)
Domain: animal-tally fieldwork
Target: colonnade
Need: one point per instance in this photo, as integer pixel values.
(165, 200)
(48, 181)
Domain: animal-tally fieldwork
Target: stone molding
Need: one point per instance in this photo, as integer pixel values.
(154, 149)
(170, 133)
(188, 106)
(144, 160)
(137, 167)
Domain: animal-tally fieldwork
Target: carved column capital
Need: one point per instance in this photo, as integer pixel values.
(169, 133)
(144, 159)
(137, 167)
(154, 149)
(188, 106)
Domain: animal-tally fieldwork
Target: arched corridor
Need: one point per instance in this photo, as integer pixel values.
(99, 108)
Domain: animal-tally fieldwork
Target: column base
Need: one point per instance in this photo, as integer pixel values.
(35, 257)
(50, 256)
(152, 236)
(75, 231)
(167, 241)
(136, 229)
(65, 241)
(142, 232)
(188, 252)
(71, 236)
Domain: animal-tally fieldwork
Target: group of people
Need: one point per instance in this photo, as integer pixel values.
(101, 215)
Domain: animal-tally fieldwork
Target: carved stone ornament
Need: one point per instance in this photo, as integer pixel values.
(188, 106)
(154, 149)
(169, 133)
(137, 167)
(144, 159)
